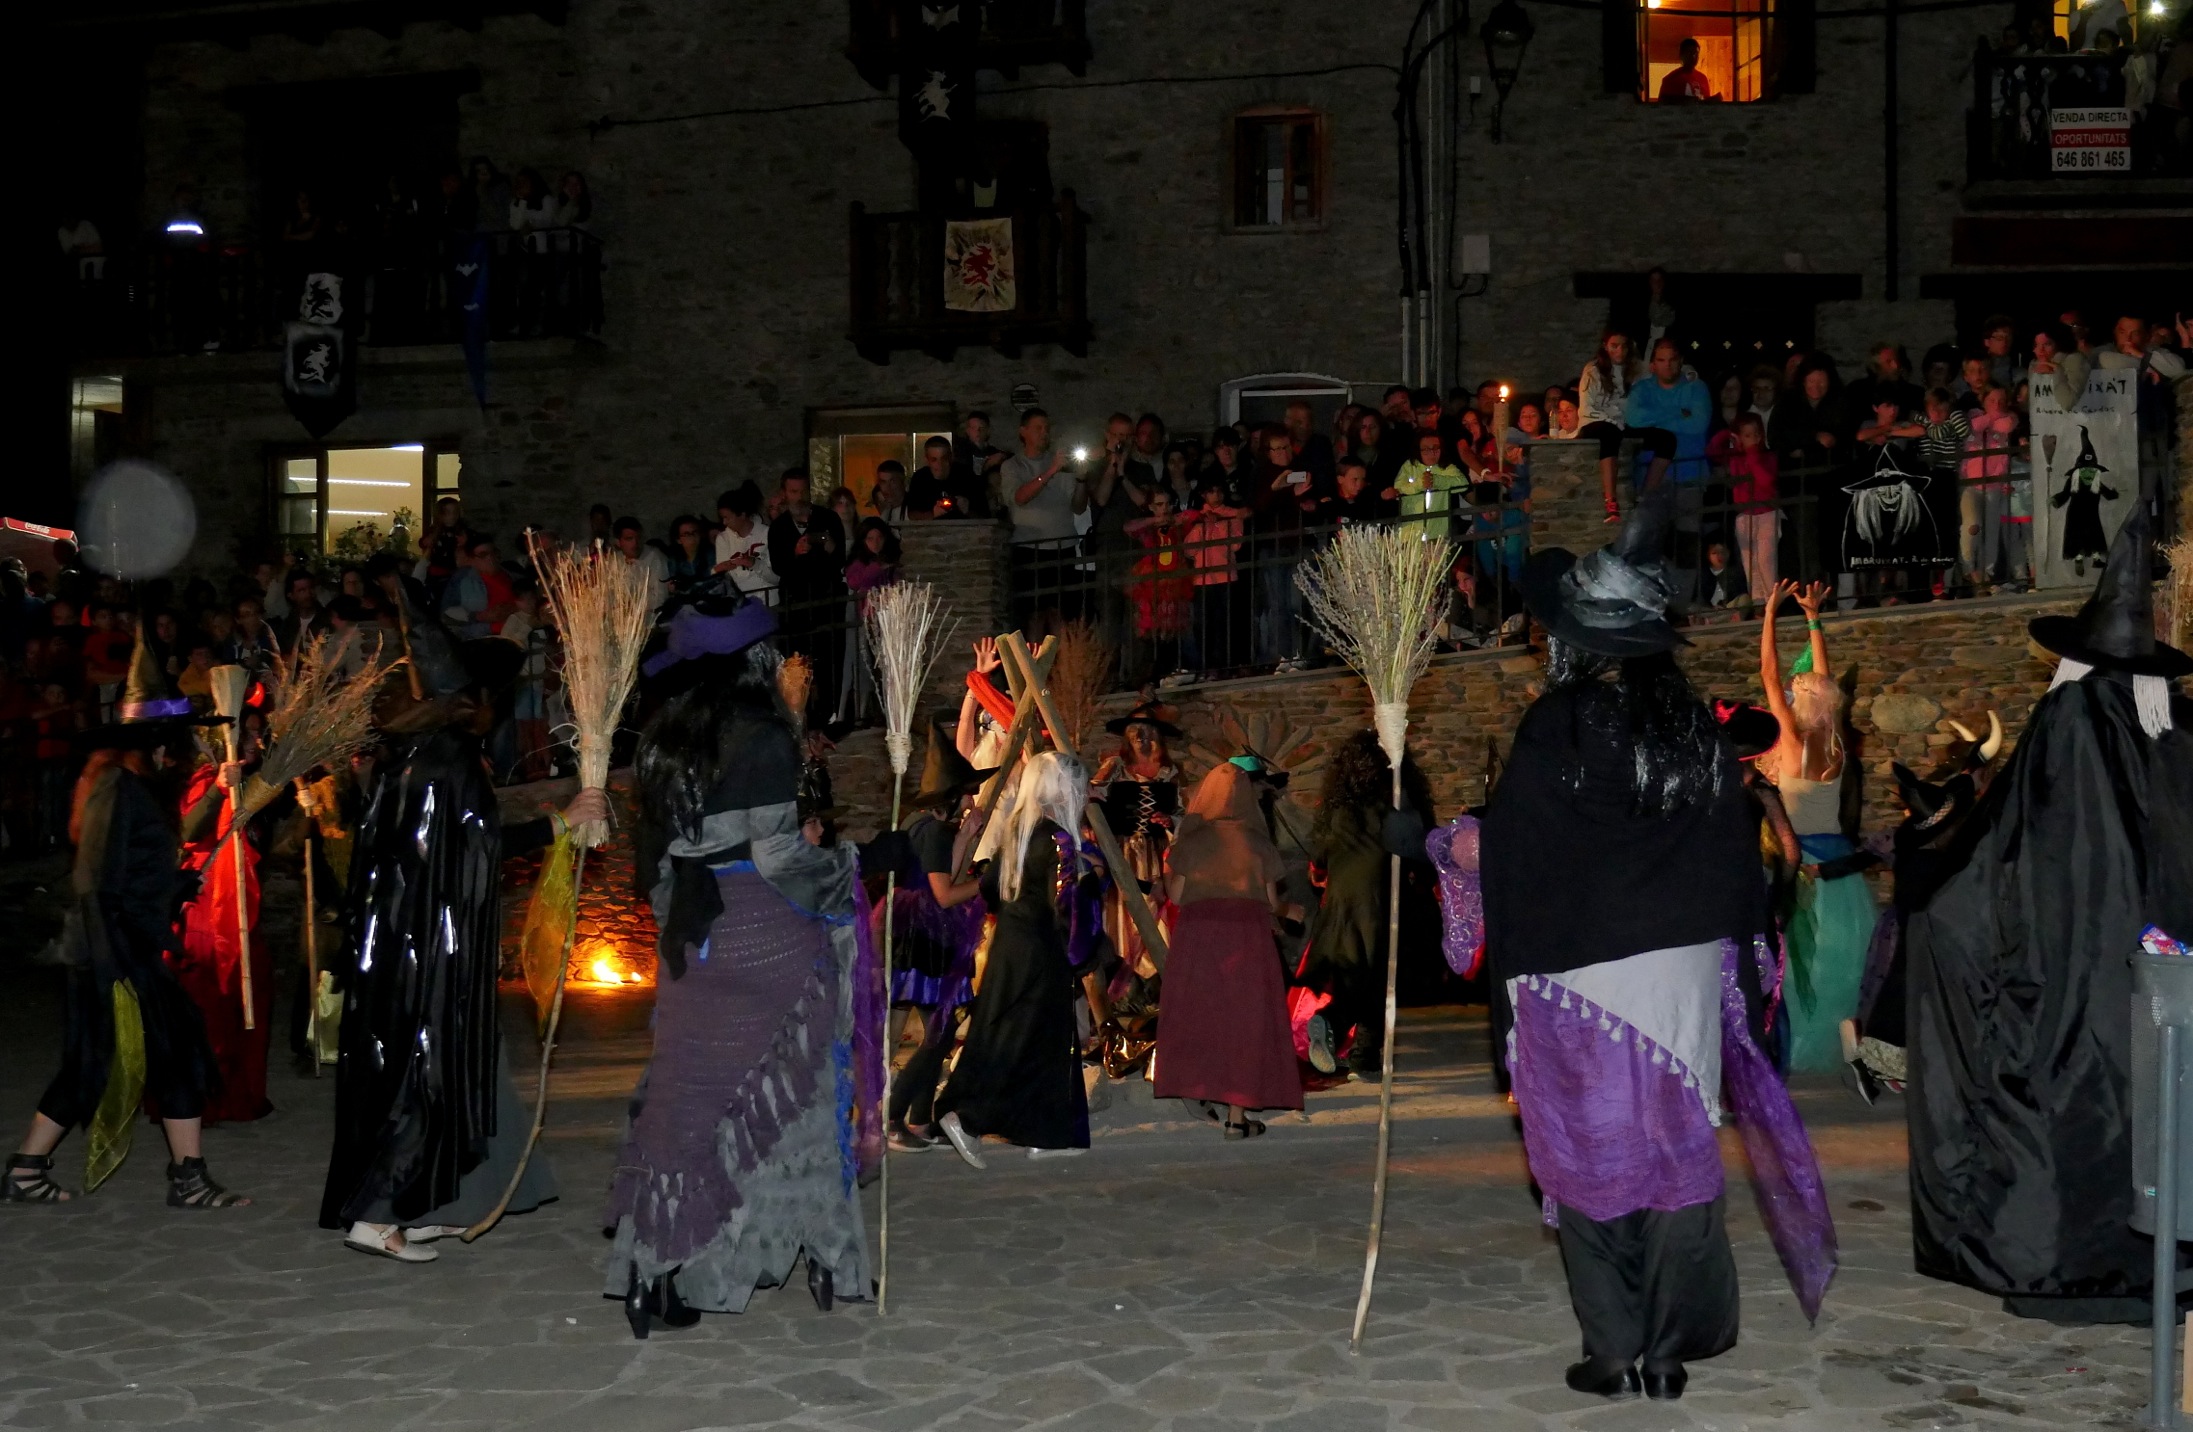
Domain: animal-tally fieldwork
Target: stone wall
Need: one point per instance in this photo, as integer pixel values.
(726, 290)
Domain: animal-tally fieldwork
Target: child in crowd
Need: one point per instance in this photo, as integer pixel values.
(1425, 485)
(1754, 477)
(1987, 525)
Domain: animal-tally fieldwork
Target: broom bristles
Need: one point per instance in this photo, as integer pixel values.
(1374, 596)
(602, 613)
(908, 625)
(318, 717)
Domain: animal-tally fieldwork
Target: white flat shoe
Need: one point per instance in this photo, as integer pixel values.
(962, 1141)
(1056, 1153)
(383, 1243)
(430, 1232)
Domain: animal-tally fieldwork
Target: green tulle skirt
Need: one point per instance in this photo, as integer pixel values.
(1827, 936)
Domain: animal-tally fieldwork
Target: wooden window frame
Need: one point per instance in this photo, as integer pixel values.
(1321, 179)
(280, 455)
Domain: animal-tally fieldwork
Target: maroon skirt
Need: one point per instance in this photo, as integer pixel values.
(1222, 1031)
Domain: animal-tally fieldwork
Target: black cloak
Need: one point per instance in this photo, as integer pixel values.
(416, 1089)
(2020, 1036)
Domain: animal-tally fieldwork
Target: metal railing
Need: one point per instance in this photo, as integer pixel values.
(540, 283)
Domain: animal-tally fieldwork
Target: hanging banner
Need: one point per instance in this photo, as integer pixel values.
(473, 271)
(319, 358)
(978, 266)
(1890, 519)
(2086, 474)
(937, 81)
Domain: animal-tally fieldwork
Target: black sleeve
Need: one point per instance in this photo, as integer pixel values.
(522, 836)
(1403, 835)
(784, 535)
(931, 843)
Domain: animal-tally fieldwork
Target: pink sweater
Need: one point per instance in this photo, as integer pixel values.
(1752, 475)
(1990, 430)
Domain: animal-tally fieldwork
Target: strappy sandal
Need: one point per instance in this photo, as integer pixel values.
(26, 1181)
(1246, 1129)
(190, 1186)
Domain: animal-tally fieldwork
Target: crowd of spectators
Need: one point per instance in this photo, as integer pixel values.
(1180, 548)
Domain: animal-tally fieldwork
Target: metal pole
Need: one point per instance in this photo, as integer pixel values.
(2162, 1408)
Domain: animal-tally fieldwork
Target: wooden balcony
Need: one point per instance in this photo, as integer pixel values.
(898, 285)
(1013, 33)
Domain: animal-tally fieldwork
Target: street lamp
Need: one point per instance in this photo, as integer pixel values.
(1507, 33)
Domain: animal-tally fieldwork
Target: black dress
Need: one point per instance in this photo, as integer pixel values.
(2021, 1118)
(1019, 1074)
(427, 1125)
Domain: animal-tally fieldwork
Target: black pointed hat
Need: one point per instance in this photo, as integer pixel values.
(946, 775)
(1931, 803)
(1613, 601)
(2115, 630)
(2086, 457)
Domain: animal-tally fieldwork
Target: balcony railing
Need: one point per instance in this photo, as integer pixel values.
(2016, 101)
(1011, 33)
(898, 285)
(540, 284)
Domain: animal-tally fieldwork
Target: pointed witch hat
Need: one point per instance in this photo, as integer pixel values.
(147, 696)
(1614, 601)
(2115, 630)
(946, 775)
(2086, 457)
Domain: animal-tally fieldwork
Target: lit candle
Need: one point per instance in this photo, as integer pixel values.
(1500, 431)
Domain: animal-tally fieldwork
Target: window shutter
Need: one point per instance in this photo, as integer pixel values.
(1618, 44)
(1796, 46)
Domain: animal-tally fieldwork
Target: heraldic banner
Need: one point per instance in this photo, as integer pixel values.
(978, 266)
(319, 355)
(2086, 474)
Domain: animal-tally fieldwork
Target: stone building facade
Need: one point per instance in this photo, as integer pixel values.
(725, 295)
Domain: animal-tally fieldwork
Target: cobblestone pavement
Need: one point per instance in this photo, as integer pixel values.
(1168, 1280)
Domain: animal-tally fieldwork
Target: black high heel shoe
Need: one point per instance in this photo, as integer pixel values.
(819, 1283)
(676, 1313)
(639, 1304)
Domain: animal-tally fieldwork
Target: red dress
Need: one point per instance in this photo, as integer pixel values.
(210, 971)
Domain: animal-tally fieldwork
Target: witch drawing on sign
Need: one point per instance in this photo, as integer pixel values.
(1889, 523)
(2081, 501)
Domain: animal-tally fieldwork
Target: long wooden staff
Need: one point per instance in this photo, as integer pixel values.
(1130, 890)
(312, 936)
(548, 1055)
(1385, 1086)
(883, 1155)
(229, 685)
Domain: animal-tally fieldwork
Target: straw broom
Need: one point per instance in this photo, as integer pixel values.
(599, 603)
(908, 625)
(318, 717)
(1374, 596)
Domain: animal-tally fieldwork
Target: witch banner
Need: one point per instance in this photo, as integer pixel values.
(978, 266)
(1889, 519)
(2086, 474)
(937, 82)
(319, 355)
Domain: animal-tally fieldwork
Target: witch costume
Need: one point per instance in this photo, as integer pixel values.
(428, 1127)
(1633, 1009)
(1019, 1071)
(131, 1035)
(743, 1151)
(2021, 1118)
(933, 946)
(208, 961)
(1224, 1037)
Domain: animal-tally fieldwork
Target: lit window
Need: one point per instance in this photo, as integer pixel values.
(1279, 169)
(1733, 39)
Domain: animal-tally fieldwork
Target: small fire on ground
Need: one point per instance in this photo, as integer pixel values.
(605, 964)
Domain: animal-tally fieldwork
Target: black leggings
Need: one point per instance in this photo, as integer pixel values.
(1652, 1286)
(1609, 436)
(914, 1092)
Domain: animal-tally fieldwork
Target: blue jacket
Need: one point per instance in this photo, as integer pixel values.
(1683, 410)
